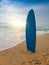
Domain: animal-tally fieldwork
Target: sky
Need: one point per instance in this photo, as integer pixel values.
(12, 11)
(31, 1)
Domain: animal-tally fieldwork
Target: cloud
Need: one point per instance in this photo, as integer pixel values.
(11, 13)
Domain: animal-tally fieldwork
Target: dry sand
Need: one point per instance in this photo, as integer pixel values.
(19, 55)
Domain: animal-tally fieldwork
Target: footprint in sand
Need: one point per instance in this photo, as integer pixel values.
(35, 62)
(27, 63)
(23, 63)
(46, 58)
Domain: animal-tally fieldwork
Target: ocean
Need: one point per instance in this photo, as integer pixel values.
(10, 37)
(15, 13)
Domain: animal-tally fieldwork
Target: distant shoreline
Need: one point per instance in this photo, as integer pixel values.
(42, 30)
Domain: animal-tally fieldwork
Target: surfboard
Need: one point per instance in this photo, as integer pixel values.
(31, 31)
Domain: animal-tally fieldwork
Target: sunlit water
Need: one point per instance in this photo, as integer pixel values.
(10, 37)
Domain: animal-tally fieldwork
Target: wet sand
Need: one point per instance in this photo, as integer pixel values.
(19, 55)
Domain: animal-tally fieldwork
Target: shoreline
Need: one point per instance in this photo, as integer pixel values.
(23, 41)
(11, 38)
(19, 55)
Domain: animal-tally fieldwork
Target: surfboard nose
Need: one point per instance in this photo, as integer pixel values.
(31, 11)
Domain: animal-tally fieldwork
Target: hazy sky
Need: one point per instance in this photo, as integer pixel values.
(12, 11)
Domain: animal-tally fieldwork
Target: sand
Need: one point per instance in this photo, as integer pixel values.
(19, 55)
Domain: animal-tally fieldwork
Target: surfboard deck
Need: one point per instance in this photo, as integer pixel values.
(31, 31)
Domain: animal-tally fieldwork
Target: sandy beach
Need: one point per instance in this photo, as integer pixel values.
(19, 55)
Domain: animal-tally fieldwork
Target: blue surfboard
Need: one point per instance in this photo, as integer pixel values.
(31, 31)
